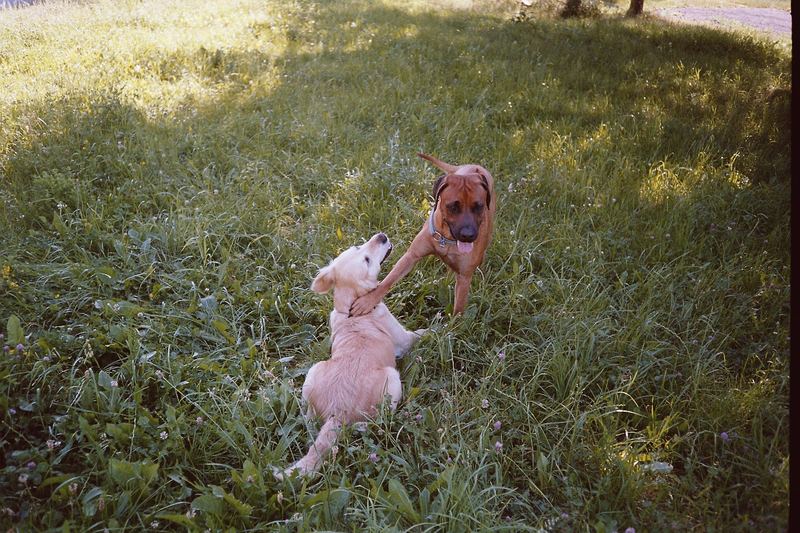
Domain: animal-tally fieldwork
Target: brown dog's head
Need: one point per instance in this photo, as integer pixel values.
(462, 200)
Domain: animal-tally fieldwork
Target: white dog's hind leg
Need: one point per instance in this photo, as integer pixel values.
(308, 388)
(311, 462)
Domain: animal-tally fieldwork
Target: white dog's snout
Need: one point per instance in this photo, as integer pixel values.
(380, 238)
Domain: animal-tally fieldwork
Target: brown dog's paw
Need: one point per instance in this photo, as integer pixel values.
(364, 304)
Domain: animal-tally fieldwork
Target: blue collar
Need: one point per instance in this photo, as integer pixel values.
(443, 241)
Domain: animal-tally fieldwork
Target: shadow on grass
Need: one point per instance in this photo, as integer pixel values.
(448, 83)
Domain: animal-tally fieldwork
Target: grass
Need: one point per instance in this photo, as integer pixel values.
(174, 174)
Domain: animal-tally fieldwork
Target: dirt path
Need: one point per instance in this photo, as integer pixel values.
(774, 21)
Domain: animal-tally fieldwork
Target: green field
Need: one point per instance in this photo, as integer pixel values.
(174, 174)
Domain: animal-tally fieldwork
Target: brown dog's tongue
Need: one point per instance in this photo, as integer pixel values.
(464, 247)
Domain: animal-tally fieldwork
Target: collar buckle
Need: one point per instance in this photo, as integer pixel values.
(443, 241)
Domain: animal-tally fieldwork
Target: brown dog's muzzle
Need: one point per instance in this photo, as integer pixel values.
(465, 227)
(466, 233)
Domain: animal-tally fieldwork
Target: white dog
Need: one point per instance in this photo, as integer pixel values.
(349, 386)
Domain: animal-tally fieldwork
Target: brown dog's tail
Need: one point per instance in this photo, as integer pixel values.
(439, 164)
(311, 462)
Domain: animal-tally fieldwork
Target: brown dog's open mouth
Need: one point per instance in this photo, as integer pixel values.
(464, 247)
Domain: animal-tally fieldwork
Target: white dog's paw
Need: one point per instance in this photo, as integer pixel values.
(411, 338)
(279, 474)
(288, 473)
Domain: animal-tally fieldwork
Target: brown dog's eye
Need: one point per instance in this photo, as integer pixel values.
(477, 208)
(454, 208)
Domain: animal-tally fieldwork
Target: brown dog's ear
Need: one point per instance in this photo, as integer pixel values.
(485, 184)
(438, 185)
(324, 281)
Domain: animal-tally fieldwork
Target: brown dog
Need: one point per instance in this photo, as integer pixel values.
(458, 231)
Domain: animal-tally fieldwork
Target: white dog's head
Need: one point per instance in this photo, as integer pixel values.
(354, 272)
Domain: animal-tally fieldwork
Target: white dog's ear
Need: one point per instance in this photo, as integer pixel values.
(324, 280)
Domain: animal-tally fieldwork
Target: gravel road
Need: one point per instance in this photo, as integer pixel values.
(14, 3)
(769, 20)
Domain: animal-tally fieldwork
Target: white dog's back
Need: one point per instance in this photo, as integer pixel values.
(348, 384)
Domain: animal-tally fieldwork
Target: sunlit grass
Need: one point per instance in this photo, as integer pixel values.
(173, 175)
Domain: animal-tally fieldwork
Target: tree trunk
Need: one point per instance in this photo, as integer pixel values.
(572, 8)
(635, 8)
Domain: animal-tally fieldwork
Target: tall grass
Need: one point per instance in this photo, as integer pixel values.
(174, 174)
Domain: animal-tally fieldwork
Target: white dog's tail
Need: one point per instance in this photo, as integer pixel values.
(437, 163)
(313, 459)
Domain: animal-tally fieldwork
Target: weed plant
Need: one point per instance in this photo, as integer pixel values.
(173, 174)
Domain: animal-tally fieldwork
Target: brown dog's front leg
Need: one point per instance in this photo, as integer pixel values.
(462, 292)
(367, 302)
(415, 252)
